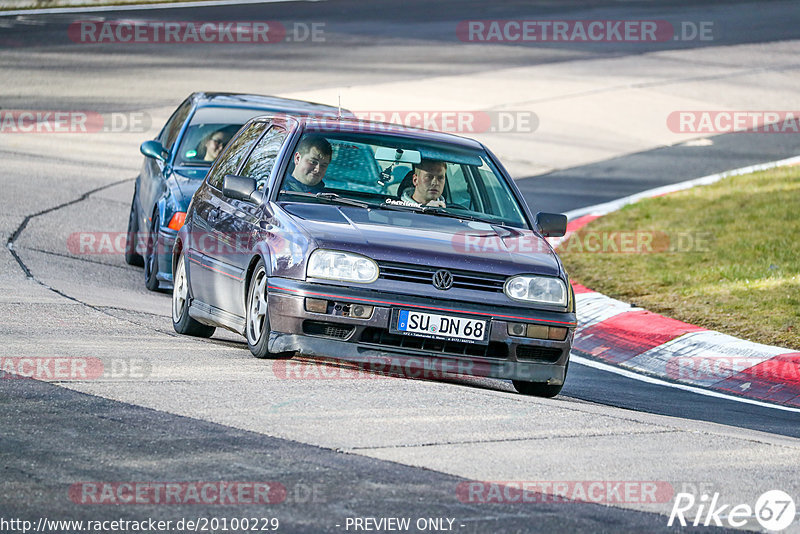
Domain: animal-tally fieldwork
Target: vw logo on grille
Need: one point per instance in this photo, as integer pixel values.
(442, 279)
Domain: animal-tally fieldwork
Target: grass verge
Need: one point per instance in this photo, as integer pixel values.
(724, 256)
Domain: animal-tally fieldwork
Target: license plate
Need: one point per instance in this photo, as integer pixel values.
(441, 326)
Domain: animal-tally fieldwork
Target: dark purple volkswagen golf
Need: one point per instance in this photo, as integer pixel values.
(375, 244)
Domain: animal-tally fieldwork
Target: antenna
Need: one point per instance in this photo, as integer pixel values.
(340, 107)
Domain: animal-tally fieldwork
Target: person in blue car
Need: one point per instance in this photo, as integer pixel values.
(212, 144)
(311, 160)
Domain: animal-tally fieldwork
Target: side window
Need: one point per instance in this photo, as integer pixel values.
(261, 161)
(229, 161)
(173, 126)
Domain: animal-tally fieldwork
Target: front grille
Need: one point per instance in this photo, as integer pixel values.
(381, 336)
(320, 328)
(540, 354)
(421, 274)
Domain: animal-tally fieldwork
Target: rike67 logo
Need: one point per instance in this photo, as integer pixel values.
(774, 510)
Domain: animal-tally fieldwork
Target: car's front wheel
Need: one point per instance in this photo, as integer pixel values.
(151, 257)
(181, 321)
(257, 320)
(539, 389)
(131, 256)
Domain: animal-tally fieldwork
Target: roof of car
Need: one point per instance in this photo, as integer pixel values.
(270, 103)
(354, 125)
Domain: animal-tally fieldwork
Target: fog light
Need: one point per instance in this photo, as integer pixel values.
(360, 311)
(316, 305)
(538, 331)
(558, 333)
(516, 329)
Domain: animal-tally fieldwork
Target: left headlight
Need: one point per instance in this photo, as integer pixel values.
(344, 266)
(542, 289)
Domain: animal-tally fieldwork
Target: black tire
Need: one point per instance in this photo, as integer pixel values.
(538, 389)
(257, 316)
(181, 322)
(151, 257)
(131, 256)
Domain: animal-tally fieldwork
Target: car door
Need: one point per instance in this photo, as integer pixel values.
(207, 272)
(238, 220)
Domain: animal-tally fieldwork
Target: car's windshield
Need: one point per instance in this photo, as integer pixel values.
(209, 131)
(394, 172)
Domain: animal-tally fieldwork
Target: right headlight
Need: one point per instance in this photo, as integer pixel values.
(343, 266)
(540, 289)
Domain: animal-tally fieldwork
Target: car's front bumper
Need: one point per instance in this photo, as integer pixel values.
(370, 343)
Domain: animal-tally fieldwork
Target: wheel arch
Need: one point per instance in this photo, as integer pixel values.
(177, 248)
(251, 267)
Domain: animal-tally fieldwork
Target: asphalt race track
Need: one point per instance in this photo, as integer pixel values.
(339, 447)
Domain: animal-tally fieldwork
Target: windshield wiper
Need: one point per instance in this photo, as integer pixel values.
(431, 210)
(436, 210)
(195, 164)
(332, 198)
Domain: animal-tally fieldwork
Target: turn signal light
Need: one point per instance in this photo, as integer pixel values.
(316, 305)
(176, 223)
(537, 331)
(558, 333)
(340, 309)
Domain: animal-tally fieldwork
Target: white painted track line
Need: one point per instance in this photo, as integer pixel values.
(139, 7)
(580, 360)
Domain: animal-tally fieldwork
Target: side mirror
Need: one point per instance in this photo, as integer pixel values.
(154, 149)
(551, 224)
(241, 188)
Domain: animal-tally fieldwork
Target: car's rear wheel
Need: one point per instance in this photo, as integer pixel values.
(181, 322)
(257, 320)
(539, 389)
(151, 257)
(131, 256)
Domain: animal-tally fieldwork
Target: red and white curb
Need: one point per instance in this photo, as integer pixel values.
(632, 338)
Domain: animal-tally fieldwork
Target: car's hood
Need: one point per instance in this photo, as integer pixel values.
(424, 239)
(184, 181)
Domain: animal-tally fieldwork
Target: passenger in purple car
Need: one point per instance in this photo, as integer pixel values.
(311, 160)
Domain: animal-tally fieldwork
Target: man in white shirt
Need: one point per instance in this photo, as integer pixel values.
(429, 179)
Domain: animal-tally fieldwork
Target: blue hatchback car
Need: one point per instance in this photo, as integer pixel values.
(176, 163)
